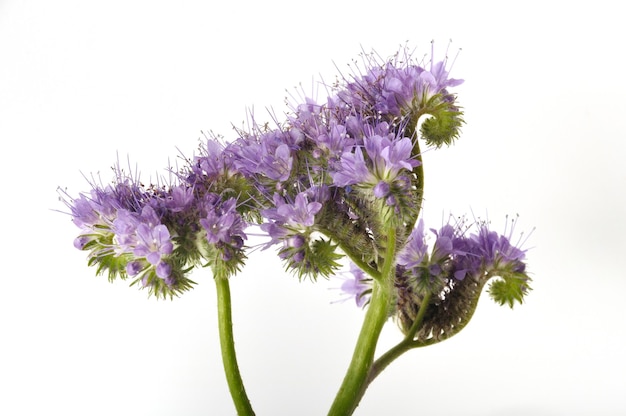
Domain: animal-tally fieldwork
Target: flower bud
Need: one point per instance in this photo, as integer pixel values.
(134, 267)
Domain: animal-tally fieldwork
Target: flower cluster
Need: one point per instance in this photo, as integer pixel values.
(156, 235)
(326, 183)
(453, 270)
(342, 177)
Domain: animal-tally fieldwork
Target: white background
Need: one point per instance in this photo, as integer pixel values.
(544, 97)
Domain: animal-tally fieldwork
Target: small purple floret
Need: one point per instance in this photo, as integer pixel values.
(153, 243)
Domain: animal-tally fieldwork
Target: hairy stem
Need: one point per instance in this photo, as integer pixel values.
(355, 381)
(227, 344)
(406, 344)
(355, 257)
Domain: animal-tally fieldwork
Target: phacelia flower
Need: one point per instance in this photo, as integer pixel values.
(153, 243)
(415, 249)
(387, 157)
(357, 286)
(267, 155)
(454, 273)
(397, 87)
(297, 214)
(223, 223)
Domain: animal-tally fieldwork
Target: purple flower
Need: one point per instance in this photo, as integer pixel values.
(149, 216)
(291, 222)
(395, 88)
(295, 241)
(153, 243)
(276, 231)
(299, 214)
(387, 157)
(213, 162)
(381, 190)
(446, 243)
(415, 248)
(81, 241)
(218, 223)
(223, 223)
(268, 154)
(83, 213)
(134, 267)
(496, 251)
(125, 227)
(277, 166)
(218, 226)
(353, 169)
(164, 271)
(357, 286)
(180, 198)
(440, 76)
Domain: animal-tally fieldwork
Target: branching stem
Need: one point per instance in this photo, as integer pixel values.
(355, 381)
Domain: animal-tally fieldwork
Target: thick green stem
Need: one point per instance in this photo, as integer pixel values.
(227, 344)
(355, 381)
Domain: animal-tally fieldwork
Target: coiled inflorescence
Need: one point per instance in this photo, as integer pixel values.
(326, 183)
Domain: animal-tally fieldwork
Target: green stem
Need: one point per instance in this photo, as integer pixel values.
(356, 258)
(355, 380)
(409, 342)
(418, 171)
(417, 323)
(358, 261)
(227, 344)
(406, 344)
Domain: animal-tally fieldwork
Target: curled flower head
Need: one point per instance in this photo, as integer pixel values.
(134, 231)
(400, 85)
(454, 272)
(335, 173)
(402, 88)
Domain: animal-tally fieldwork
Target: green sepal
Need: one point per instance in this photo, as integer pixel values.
(215, 255)
(325, 258)
(114, 266)
(320, 259)
(158, 288)
(102, 256)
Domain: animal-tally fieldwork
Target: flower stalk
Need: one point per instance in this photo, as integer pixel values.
(356, 379)
(405, 345)
(227, 344)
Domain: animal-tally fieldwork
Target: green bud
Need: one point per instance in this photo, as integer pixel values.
(511, 287)
(315, 258)
(444, 125)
